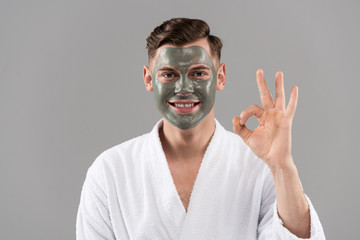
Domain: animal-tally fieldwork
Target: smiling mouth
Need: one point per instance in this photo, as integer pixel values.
(184, 103)
(184, 106)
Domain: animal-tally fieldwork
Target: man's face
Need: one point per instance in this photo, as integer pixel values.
(184, 82)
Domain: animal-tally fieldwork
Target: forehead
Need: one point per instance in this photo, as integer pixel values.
(180, 57)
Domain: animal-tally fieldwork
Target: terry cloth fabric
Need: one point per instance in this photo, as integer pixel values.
(129, 193)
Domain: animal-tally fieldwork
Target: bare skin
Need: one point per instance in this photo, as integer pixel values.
(271, 141)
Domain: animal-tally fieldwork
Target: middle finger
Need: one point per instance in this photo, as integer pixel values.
(265, 95)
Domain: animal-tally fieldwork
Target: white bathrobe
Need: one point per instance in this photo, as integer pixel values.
(129, 193)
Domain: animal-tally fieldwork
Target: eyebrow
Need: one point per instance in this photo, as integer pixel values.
(200, 68)
(166, 69)
(192, 69)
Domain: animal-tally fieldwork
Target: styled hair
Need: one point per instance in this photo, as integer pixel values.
(181, 31)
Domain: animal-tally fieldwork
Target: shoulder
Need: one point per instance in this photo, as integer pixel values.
(127, 147)
(118, 156)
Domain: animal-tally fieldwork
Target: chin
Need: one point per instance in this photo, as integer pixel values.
(186, 124)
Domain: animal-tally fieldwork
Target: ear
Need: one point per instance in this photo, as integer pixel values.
(147, 79)
(221, 77)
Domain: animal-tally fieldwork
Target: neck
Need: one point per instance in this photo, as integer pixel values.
(187, 145)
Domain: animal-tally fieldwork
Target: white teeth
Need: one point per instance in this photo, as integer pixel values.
(180, 105)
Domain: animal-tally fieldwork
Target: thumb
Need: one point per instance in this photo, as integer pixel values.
(241, 129)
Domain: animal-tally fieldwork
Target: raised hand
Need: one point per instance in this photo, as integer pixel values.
(271, 140)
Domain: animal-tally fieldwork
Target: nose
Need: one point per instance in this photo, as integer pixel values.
(184, 86)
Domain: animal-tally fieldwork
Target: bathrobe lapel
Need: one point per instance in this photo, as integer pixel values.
(170, 209)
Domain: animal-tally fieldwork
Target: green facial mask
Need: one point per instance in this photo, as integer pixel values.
(176, 80)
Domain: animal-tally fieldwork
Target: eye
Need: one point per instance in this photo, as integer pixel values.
(168, 75)
(199, 74)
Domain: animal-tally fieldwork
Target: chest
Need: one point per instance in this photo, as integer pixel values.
(184, 176)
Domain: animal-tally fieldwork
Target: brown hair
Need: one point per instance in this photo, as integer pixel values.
(181, 31)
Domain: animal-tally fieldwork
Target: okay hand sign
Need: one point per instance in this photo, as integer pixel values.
(271, 140)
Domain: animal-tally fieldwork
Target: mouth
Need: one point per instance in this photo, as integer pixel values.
(184, 106)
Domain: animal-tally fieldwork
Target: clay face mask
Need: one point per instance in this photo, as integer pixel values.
(184, 83)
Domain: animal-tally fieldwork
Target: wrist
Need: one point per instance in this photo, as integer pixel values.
(282, 166)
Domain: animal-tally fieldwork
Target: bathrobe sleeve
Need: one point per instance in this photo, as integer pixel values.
(271, 226)
(93, 219)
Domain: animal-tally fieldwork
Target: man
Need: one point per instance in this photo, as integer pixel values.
(189, 178)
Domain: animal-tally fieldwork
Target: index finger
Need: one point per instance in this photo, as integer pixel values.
(265, 95)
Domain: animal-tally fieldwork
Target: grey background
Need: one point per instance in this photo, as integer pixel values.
(71, 86)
